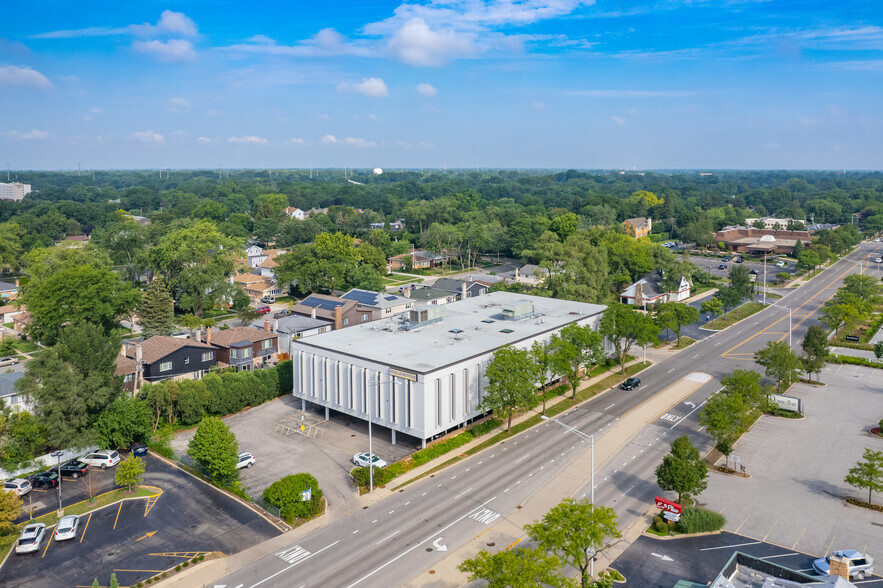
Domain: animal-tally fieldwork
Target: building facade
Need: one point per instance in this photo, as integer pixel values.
(14, 190)
(423, 373)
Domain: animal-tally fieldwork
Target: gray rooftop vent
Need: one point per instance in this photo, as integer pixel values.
(426, 315)
(518, 310)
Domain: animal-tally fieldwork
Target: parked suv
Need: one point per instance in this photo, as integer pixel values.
(102, 459)
(18, 485)
(630, 383)
(263, 309)
(246, 460)
(860, 565)
(268, 299)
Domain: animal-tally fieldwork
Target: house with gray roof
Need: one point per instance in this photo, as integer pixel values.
(463, 288)
(8, 394)
(649, 291)
(382, 304)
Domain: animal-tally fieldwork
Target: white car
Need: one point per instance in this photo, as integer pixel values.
(361, 460)
(859, 564)
(780, 264)
(246, 460)
(878, 260)
(5, 361)
(102, 459)
(67, 528)
(18, 485)
(30, 539)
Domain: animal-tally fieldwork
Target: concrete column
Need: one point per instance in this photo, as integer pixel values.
(303, 404)
(393, 436)
(327, 416)
(423, 446)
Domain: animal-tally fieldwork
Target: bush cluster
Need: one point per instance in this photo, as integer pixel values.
(382, 476)
(285, 494)
(854, 361)
(699, 520)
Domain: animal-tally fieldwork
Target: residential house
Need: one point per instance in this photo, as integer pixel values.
(394, 227)
(163, 358)
(420, 259)
(381, 304)
(8, 291)
(8, 311)
(10, 396)
(343, 313)
(244, 348)
(294, 213)
(463, 288)
(427, 295)
(293, 327)
(638, 227)
(760, 241)
(649, 291)
(258, 286)
(125, 367)
(314, 211)
(20, 321)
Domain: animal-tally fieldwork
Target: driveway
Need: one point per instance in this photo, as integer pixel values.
(136, 539)
(272, 433)
(794, 496)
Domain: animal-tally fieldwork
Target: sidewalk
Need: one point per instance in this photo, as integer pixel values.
(206, 573)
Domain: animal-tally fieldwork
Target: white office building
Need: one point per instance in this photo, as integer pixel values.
(14, 190)
(422, 373)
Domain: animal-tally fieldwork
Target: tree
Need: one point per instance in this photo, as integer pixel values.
(740, 281)
(675, 316)
(248, 314)
(510, 383)
(865, 288)
(781, 363)
(725, 417)
(575, 348)
(10, 509)
(712, 306)
(541, 358)
(7, 347)
(574, 528)
(683, 470)
(841, 311)
(129, 473)
(157, 310)
(515, 568)
(125, 421)
(867, 474)
(287, 495)
(114, 583)
(214, 447)
(878, 349)
(809, 260)
(729, 298)
(623, 327)
(815, 350)
(798, 249)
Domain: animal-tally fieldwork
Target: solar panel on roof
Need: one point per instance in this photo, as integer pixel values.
(321, 303)
(361, 297)
(390, 297)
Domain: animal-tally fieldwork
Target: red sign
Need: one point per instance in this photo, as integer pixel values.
(668, 506)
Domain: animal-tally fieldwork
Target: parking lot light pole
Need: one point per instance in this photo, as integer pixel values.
(789, 320)
(57, 455)
(591, 473)
(370, 436)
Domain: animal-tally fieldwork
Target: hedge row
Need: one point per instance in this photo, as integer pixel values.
(854, 361)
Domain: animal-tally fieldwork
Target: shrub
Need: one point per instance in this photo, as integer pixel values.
(285, 494)
(148, 580)
(382, 476)
(699, 520)
(178, 568)
(661, 527)
(484, 427)
(433, 451)
(185, 564)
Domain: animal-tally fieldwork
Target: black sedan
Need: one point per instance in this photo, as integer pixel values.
(138, 449)
(630, 383)
(74, 469)
(45, 480)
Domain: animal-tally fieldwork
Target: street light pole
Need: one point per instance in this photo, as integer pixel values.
(591, 473)
(57, 455)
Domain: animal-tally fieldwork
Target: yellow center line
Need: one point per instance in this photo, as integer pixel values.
(511, 545)
(764, 330)
(83, 535)
(634, 408)
(118, 516)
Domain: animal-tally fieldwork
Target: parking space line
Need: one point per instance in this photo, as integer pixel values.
(117, 517)
(780, 555)
(829, 545)
(740, 526)
(83, 534)
(798, 539)
(771, 530)
(48, 541)
(730, 546)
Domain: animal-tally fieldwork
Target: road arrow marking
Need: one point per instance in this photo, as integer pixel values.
(662, 557)
(438, 545)
(690, 404)
(146, 535)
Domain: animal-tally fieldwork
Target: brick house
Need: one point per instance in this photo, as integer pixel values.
(244, 348)
(344, 313)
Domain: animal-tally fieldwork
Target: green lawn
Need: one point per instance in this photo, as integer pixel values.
(26, 346)
(685, 342)
(734, 316)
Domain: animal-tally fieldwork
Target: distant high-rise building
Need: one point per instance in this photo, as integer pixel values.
(14, 190)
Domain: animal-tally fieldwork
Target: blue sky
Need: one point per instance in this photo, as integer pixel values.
(659, 84)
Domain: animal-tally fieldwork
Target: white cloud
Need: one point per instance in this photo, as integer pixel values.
(203, 140)
(427, 90)
(355, 142)
(632, 94)
(23, 76)
(329, 139)
(296, 141)
(169, 23)
(324, 43)
(322, 116)
(172, 50)
(248, 139)
(178, 105)
(416, 43)
(29, 135)
(537, 105)
(95, 110)
(618, 120)
(148, 136)
(374, 87)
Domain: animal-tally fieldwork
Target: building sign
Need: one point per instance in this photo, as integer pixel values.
(401, 374)
(671, 516)
(852, 338)
(668, 506)
(787, 402)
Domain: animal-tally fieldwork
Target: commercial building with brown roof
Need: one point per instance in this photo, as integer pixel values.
(760, 241)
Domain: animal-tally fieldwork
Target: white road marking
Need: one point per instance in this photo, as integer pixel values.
(463, 493)
(407, 503)
(611, 406)
(356, 531)
(695, 356)
(782, 555)
(486, 516)
(392, 511)
(424, 494)
(671, 370)
(730, 546)
(661, 556)
(522, 458)
(294, 564)
(374, 521)
(387, 537)
(404, 553)
(718, 343)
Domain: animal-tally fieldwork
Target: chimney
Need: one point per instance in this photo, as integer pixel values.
(839, 566)
(649, 225)
(516, 274)
(639, 294)
(462, 290)
(16, 282)
(275, 325)
(313, 313)
(139, 367)
(198, 336)
(407, 292)
(267, 325)
(338, 317)
(208, 335)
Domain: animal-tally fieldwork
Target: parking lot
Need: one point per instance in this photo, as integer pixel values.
(45, 500)
(711, 264)
(136, 539)
(795, 495)
(272, 433)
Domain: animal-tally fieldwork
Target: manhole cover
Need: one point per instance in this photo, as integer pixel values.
(429, 549)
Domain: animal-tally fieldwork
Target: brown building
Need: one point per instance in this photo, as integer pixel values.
(760, 241)
(638, 227)
(244, 348)
(344, 313)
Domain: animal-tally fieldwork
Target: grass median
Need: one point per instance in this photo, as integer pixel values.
(734, 316)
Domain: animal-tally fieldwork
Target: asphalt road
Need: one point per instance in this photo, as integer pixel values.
(135, 543)
(652, 563)
(396, 539)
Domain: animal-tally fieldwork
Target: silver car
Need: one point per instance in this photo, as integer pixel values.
(18, 485)
(5, 361)
(361, 460)
(860, 565)
(67, 528)
(30, 539)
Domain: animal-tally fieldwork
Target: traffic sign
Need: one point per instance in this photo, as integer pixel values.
(668, 506)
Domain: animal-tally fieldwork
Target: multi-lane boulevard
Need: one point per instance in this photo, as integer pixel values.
(393, 541)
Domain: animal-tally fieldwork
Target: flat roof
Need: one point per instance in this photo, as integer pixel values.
(433, 346)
